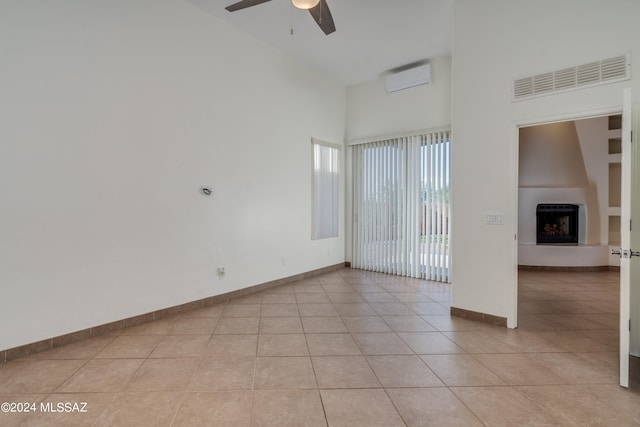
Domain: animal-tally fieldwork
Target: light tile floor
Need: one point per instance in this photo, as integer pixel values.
(349, 348)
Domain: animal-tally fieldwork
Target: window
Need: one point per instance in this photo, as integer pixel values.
(325, 189)
(401, 206)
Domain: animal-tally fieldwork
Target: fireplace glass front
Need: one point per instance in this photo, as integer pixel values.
(557, 224)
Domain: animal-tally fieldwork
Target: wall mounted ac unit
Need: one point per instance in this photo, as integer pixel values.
(409, 78)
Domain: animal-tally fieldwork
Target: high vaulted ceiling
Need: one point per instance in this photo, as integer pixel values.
(372, 36)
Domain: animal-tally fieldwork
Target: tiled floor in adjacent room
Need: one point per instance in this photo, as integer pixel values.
(349, 348)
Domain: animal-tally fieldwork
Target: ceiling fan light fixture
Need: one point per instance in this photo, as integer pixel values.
(305, 4)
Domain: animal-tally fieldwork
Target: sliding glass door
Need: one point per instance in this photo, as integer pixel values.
(401, 206)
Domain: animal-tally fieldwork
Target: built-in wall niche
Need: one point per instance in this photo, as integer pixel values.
(615, 122)
(615, 145)
(614, 142)
(615, 193)
(614, 230)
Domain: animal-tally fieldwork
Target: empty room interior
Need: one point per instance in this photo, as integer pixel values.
(319, 213)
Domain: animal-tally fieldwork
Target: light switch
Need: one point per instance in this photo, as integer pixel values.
(494, 218)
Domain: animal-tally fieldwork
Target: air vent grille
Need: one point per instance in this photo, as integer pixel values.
(565, 79)
(523, 87)
(588, 73)
(585, 75)
(614, 68)
(543, 83)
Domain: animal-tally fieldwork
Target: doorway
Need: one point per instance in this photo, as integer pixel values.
(570, 293)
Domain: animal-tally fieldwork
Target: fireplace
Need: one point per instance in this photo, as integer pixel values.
(557, 224)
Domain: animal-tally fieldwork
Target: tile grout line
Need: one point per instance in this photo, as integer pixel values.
(313, 366)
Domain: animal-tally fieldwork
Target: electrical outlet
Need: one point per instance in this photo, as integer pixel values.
(220, 272)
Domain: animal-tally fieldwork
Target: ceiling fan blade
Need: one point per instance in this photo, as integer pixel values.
(322, 15)
(244, 4)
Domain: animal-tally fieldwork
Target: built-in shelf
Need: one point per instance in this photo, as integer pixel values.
(614, 150)
(615, 145)
(614, 211)
(615, 176)
(615, 122)
(614, 230)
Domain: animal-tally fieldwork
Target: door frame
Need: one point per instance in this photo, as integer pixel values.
(515, 174)
(625, 237)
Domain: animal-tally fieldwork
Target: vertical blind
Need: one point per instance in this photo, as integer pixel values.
(325, 190)
(401, 206)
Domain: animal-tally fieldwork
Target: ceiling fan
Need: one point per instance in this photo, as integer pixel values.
(317, 8)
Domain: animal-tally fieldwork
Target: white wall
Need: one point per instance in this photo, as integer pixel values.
(551, 156)
(495, 42)
(112, 115)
